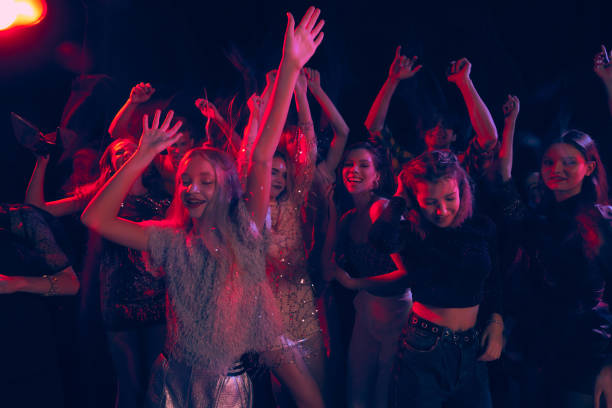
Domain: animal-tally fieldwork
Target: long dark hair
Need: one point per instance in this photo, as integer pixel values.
(595, 186)
(594, 191)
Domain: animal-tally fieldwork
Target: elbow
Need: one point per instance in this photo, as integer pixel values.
(87, 219)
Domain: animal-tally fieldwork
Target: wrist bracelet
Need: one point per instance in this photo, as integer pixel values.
(52, 288)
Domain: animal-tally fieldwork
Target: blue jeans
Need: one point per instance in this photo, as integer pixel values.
(437, 367)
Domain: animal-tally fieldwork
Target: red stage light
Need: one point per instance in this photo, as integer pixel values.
(20, 13)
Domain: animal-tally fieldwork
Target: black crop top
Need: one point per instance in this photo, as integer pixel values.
(450, 267)
(363, 260)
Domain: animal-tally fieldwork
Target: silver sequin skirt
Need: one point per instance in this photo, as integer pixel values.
(177, 385)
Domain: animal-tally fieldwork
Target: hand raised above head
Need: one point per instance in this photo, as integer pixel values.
(157, 138)
(602, 64)
(512, 107)
(459, 71)
(255, 104)
(302, 41)
(403, 67)
(207, 108)
(141, 93)
(314, 78)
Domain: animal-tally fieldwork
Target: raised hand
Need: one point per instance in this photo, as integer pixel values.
(157, 138)
(255, 105)
(141, 93)
(459, 71)
(314, 79)
(207, 108)
(301, 85)
(302, 41)
(403, 67)
(602, 64)
(511, 108)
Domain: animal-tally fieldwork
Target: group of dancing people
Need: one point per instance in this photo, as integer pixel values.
(218, 256)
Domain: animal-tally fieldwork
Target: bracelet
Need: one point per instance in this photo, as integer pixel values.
(52, 288)
(495, 321)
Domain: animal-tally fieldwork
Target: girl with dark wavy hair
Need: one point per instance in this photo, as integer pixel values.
(449, 262)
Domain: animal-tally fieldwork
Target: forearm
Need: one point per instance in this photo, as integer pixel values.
(260, 166)
(480, 117)
(35, 192)
(61, 283)
(506, 151)
(120, 122)
(380, 281)
(104, 207)
(341, 129)
(378, 112)
(275, 114)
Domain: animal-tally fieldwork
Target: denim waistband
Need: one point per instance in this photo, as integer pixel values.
(458, 337)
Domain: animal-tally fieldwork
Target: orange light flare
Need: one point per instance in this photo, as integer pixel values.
(21, 13)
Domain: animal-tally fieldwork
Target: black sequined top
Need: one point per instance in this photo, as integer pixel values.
(130, 296)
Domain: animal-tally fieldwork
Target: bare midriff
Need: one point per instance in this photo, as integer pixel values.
(455, 318)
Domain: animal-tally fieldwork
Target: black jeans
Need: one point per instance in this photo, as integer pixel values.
(437, 367)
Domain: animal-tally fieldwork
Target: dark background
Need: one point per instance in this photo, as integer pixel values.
(541, 51)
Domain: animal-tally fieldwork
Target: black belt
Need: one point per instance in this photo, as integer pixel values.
(459, 337)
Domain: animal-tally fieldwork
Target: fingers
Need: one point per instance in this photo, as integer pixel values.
(167, 121)
(175, 128)
(307, 17)
(318, 40)
(156, 118)
(313, 20)
(597, 395)
(290, 24)
(145, 122)
(318, 28)
(398, 51)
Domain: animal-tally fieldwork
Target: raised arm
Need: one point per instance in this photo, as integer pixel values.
(304, 156)
(139, 94)
(482, 121)
(341, 129)
(209, 110)
(603, 68)
(35, 193)
(243, 156)
(402, 67)
(101, 213)
(511, 110)
(300, 44)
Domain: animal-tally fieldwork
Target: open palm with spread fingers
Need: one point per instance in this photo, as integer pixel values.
(157, 138)
(302, 41)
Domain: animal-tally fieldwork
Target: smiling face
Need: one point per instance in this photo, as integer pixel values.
(120, 153)
(279, 177)
(564, 169)
(197, 184)
(439, 137)
(439, 201)
(358, 172)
